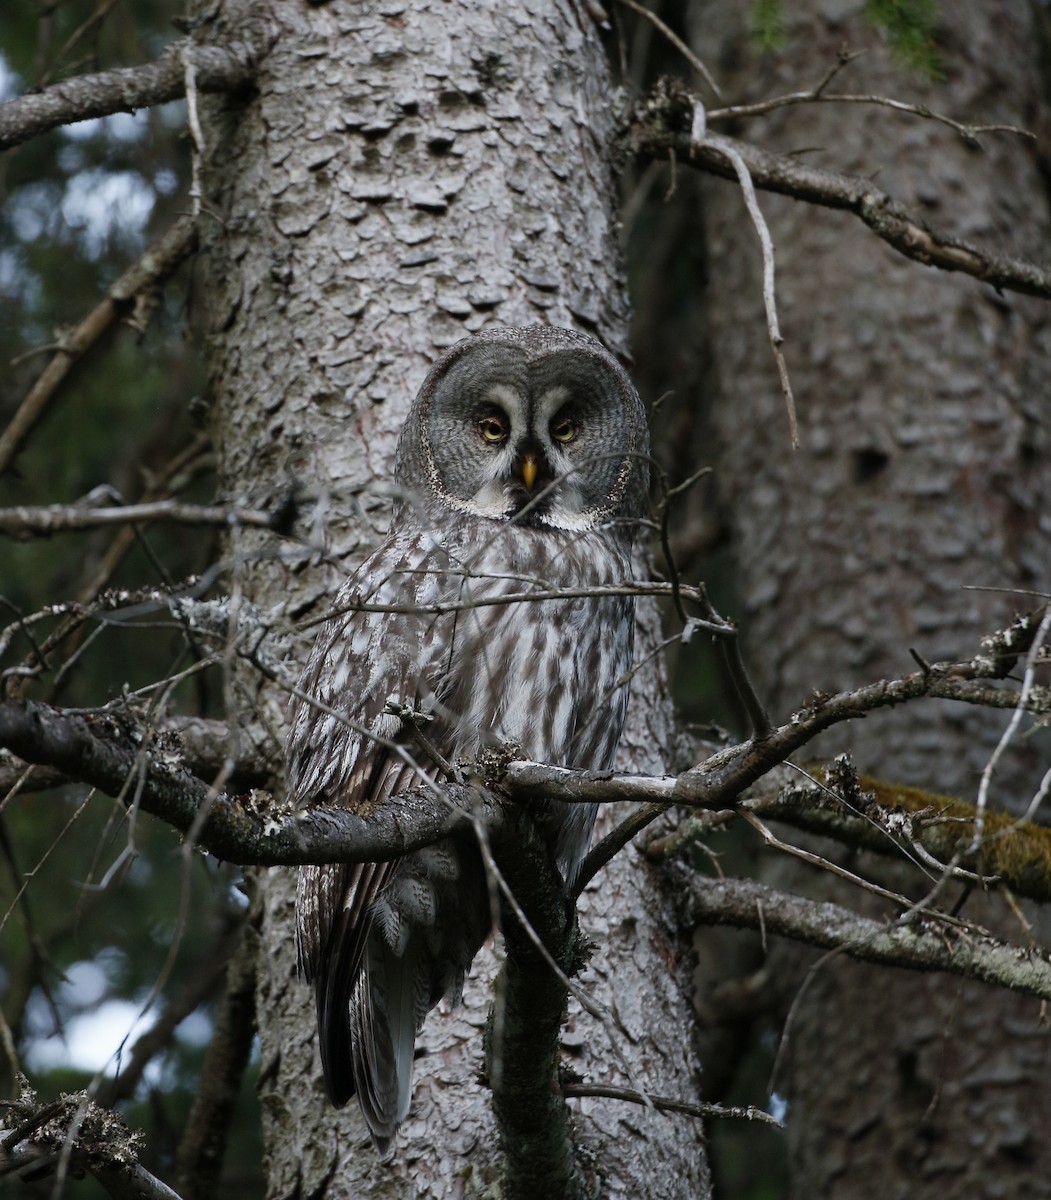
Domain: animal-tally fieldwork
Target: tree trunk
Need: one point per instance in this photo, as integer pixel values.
(922, 471)
(403, 176)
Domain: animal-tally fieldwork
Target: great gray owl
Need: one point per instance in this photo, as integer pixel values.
(522, 467)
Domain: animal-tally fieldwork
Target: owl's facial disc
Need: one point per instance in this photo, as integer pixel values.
(525, 464)
(548, 440)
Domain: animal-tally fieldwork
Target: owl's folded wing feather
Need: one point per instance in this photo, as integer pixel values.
(340, 753)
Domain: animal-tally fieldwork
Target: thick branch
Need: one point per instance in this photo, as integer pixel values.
(100, 750)
(202, 746)
(529, 1008)
(123, 89)
(920, 946)
(662, 129)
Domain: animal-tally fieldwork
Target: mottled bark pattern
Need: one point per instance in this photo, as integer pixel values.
(406, 174)
(923, 468)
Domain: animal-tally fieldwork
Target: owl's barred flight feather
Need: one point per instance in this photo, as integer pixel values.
(522, 468)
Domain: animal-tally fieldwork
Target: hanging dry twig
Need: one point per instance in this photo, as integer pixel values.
(1033, 656)
(698, 133)
(193, 123)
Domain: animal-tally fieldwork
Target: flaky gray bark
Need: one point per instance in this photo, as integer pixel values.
(405, 175)
(923, 470)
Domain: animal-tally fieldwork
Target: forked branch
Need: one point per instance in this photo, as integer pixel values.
(662, 128)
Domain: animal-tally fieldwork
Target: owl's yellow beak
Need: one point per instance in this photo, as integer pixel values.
(529, 471)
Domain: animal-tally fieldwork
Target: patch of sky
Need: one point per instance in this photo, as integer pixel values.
(92, 1041)
(10, 84)
(33, 209)
(118, 127)
(172, 114)
(196, 1030)
(95, 206)
(100, 1038)
(16, 283)
(100, 205)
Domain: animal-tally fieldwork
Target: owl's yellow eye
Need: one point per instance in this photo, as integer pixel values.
(563, 430)
(493, 429)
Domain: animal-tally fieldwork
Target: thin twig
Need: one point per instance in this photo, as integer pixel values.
(715, 626)
(24, 523)
(668, 1104)
(1028, 680)
(670, 494)
(677, 42)
(96, 18)
(968, 132)
(815, 860)
(172, 477)
(150, 271)
(744, 178)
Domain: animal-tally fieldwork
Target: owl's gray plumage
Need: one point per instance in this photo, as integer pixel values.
(522, 467)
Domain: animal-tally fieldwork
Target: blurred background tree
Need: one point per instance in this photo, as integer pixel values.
(105, 930)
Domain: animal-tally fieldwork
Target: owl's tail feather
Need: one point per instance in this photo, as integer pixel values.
(383, 1026)
(342, 934)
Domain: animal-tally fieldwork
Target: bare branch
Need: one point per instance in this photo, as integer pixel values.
(25, 523)
(925, 945)
(662, 127)
(103, 750)
(969, 133)
(522, 1049)
(668, 1104)
(124, 89)
(150, 271)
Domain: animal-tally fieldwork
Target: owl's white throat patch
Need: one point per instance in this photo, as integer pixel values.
(493, 499)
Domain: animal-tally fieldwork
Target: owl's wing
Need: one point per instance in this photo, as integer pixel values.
(340, 753)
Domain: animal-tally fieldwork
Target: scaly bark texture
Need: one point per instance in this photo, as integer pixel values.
(923, 469)
(404, 175)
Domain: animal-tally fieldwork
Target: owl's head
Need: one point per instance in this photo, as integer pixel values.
(537, 424)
